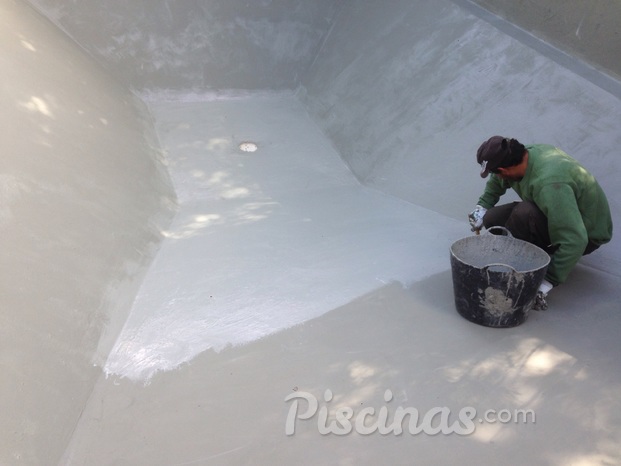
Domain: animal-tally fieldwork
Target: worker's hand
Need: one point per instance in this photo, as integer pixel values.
(541, 300)
(476, 217)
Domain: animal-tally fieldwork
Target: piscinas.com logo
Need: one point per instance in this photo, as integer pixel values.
(344, 420)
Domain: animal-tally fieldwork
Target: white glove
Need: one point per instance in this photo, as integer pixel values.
(476, 217)
(541, 303)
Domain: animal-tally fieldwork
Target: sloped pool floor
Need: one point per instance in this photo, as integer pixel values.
(283, 280)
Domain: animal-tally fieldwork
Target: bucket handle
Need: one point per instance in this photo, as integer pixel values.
(500, 264)
(505, 231)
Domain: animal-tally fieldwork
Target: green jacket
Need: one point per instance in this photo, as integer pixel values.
(569, 196)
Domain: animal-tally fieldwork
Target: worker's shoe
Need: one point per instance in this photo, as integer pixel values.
(541, 303)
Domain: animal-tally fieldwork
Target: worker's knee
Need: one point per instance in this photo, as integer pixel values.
(498, 215)
(527, 217)
(526, 212)
(527, 222)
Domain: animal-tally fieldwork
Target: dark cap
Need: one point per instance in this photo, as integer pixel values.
(492, 154)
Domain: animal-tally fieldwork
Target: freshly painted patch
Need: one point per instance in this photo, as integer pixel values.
(263, 244)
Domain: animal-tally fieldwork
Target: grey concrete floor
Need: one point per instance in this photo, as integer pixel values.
(221, 397)
(229, 407)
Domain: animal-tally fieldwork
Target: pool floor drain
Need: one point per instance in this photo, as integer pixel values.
(248, 147)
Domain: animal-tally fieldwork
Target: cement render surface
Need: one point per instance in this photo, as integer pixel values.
(163, 44)
(408, 92)
(223, 402)
(229, 407)
(219, 364)
(83, 197)
(589, 31)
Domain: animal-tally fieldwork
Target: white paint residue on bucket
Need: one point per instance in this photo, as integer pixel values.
(497, 302)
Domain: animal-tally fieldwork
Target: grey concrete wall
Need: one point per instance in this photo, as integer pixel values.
(155, 44)
(83, 197)
(589, 30)
(407, 91)
(198, 44)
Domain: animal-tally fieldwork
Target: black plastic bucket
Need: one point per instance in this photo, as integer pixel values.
(496, 278)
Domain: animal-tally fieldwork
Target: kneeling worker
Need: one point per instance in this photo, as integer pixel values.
(563, 210)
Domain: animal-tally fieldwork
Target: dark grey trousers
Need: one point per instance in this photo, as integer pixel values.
(527, 222)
